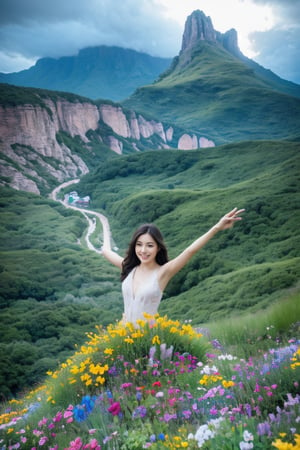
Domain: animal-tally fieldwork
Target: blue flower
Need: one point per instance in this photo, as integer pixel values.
(88, 402)
(79, 413)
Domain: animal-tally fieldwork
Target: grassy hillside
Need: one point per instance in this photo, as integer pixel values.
(52, 290)
(220, 96)
(185, 193)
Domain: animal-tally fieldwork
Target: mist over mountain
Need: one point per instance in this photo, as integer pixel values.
(96, 72)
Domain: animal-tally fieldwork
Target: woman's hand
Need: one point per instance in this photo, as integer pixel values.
(229, 219)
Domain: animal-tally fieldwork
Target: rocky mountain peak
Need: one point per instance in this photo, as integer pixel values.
(229, 41)
(199, 27)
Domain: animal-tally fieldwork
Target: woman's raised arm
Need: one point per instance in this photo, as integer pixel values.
(107, 251)
(173, 266)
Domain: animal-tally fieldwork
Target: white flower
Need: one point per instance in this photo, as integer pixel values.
(227, 356)
(207, 431)
(246, 445)
(207, 370)
(247, 436)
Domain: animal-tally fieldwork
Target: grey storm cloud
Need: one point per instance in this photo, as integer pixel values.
(54, 28)
(278, 49)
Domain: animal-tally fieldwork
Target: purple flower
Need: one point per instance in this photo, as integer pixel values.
(187, 414)
(263, 429)
(167, 417)
(139, 412)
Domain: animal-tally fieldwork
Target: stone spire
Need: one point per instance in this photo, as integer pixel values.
(197, 27)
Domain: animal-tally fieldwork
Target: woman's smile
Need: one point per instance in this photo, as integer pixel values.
(146, 248)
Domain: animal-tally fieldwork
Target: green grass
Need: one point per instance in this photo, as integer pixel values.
(247, 334)
(52, 290)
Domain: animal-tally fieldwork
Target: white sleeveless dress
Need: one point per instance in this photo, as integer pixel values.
(145, 300)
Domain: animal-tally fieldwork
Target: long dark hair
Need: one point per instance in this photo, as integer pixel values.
(131, 260)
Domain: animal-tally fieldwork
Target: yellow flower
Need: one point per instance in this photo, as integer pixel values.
(129, 340)
(100, 380)
(156, 340)
(173, 330)
(74, 370)
(108, 351)
(87, 379)
(97, 369)
(283, 445)
(227, 384)
(137, 334)
(141, 323)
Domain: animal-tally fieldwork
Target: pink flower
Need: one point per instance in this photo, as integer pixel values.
(172, 401)
(43, 440)
(94, 444)
(67, 414)
(23, 439)
(92, 431)
(58, 417)
(37, 432)
(115, 408)
(213, 411)
(125, 385)
(76, 444)
(257, 387)
(42, 422)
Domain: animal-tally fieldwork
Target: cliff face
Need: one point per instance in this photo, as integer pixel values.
(30, 144)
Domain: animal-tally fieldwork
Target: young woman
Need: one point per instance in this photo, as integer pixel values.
(146, 270)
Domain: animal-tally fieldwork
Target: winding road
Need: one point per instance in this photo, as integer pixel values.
(86, 213)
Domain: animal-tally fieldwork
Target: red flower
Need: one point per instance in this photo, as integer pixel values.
(115, 408)
(156, 383)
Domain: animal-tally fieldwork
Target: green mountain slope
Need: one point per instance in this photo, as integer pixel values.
(52, 290)
(214, 92)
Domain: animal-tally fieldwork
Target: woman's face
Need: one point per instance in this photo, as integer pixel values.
(146, 248)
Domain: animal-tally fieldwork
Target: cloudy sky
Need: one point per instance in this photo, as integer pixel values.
(268, 30)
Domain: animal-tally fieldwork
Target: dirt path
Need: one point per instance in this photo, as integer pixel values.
(86, 213)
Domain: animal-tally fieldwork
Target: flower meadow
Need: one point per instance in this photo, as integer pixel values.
(160, 385)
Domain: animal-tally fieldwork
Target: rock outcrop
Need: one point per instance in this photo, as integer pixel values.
(199, 27)
(31, 143)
